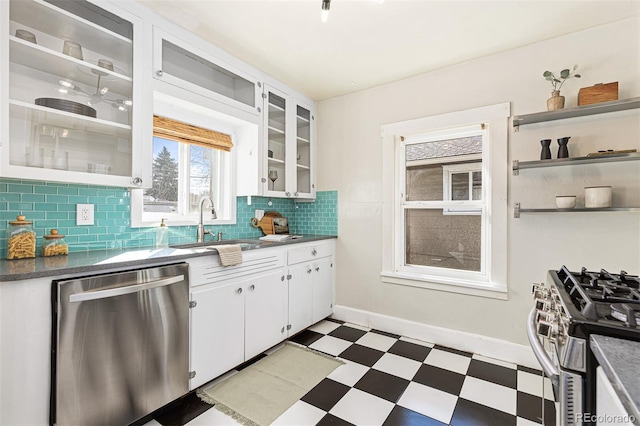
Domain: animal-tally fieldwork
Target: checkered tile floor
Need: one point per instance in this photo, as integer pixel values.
(392, 380)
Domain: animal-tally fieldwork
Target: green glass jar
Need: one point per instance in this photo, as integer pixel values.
(54, 244)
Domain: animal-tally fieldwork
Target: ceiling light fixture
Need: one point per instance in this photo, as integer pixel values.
(94, 98)
(326, 4)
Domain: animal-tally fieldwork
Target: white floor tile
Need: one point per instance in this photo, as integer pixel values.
(331, 345)
(349, 373)
(152, 423)
(490, 394)
(417, 342)
(448, 361)
(548, 389)
(352, 408)
(376, 341)
(431, 402)
(324, 327)
(530, 383)
(213, 417)
(495, 361)
(358, 326)
(298, 414)
(520, 421)
(398, 366)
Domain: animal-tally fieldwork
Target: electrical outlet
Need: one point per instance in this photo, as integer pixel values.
(259, 214)
(84, 214)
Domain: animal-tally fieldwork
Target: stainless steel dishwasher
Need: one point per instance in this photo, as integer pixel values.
(120, 345)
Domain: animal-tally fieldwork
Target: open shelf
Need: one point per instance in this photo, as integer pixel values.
(581, 111)
(517, 210)
(606, 158)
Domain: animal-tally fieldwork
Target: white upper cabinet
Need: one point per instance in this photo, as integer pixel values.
(68, 69)
(180, 63)
(289, 146)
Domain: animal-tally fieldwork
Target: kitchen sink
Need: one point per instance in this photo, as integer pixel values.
(242, 243)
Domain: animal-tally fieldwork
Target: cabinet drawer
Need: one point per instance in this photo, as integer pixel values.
(309, 252)
(208, 270)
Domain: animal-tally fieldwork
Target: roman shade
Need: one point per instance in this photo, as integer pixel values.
(178, 131)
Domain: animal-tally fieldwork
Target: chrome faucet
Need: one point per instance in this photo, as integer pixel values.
(201, 231)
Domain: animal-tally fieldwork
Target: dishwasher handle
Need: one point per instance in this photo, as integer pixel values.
(549, 368)
(120, 291)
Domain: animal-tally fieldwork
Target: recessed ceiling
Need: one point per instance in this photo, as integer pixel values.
(366, 43)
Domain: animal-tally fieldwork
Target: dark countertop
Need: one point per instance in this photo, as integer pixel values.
(100, 260)
(619, 361)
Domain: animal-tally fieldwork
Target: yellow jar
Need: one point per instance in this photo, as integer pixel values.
(54, 244)
(21, 243)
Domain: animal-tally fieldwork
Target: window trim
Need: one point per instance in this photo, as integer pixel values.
(494, 283)
(469, 168)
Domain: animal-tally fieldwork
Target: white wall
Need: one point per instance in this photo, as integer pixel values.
(350, 160)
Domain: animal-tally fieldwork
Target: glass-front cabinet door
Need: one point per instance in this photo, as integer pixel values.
(70, 103)
(289, 129)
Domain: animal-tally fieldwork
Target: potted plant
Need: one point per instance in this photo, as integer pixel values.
(556, 101)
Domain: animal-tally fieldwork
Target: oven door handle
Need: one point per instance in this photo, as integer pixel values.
(549, 368)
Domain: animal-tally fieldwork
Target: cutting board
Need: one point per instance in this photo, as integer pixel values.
(266, 223)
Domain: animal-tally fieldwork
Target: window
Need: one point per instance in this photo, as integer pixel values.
(192, 158)
(445, 192)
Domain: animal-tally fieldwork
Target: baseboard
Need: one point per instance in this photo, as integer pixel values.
(470, 342)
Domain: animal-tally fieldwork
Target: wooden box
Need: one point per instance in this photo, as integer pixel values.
(598, 93)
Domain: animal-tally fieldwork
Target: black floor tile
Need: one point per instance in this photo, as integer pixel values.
(182, 410)
(493, 373)
(453, 351)
(439, 378)
(401, 416)
(251, 361)
(470, 413)
(529, 370)
(384, 333)
(330, 419)
(382, 384)
(409, 350)
(326, 394)
(361, 354)
(347, 333)
(306, 337)
(530, 407)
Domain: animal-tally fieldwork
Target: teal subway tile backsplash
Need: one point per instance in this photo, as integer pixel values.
(53, 205)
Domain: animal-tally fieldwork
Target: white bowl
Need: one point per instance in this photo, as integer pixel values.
(597, 197)
(566, 201)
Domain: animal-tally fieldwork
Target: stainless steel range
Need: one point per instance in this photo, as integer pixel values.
(571, 307)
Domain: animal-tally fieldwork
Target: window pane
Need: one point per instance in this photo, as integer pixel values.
(443, 241)
(200, 173)
(477, 185)
(424, 183)
(163, 195)
(460, 186)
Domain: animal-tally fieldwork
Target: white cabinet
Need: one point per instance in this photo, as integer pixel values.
(182, 64)
(73, 93)
(288, 167)
(311, 276)
(237, 312)
(217, 331)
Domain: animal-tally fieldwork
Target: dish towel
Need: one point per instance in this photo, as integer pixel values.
(230, 254)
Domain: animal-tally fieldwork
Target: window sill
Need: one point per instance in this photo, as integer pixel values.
(471, 288)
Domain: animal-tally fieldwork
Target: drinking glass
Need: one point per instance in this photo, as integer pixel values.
(273, 176)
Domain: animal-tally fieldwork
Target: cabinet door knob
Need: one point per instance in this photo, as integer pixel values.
(317, 269)
(136, 181)
(296, 194)
(314, 252)
(239, 291)
(308, 271)
(252, 287)
(159, 73)
(288, 194)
